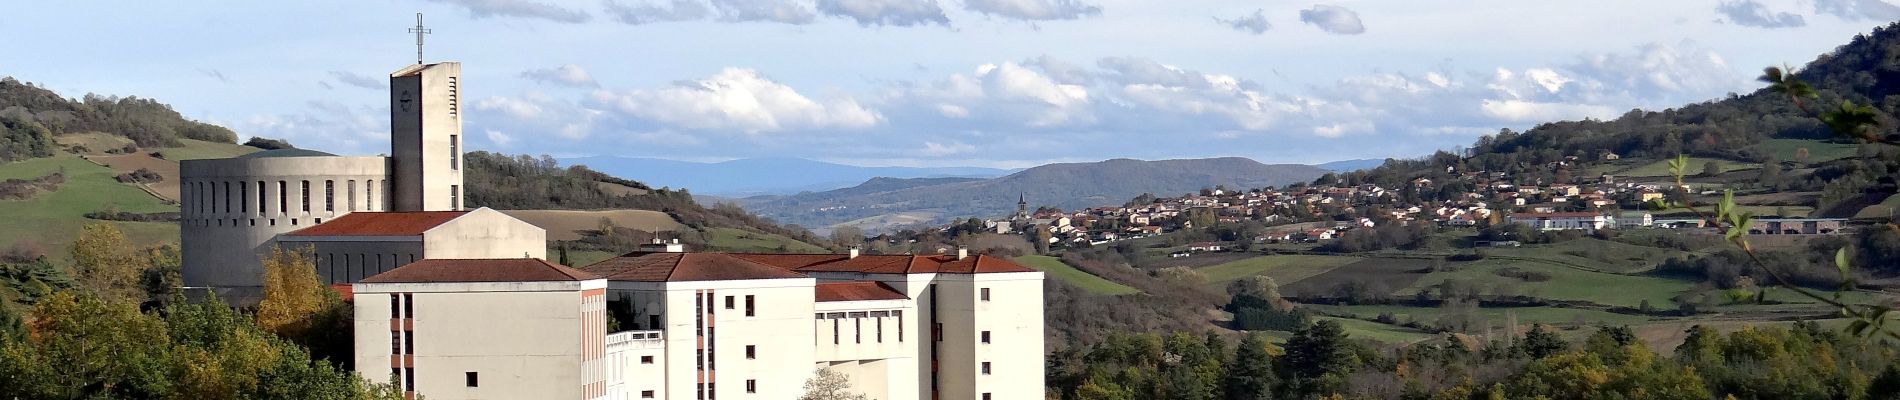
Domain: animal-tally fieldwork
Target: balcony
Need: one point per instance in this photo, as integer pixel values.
(634, 337)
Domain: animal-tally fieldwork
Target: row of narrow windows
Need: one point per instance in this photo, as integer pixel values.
(235, 197)
(336, 268)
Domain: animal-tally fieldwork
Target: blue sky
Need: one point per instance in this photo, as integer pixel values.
(1002, 83)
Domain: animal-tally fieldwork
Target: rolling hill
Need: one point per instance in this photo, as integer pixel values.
(763, 176)
(1067, 186)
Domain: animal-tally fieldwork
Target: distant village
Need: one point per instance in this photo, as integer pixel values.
(1318, 213)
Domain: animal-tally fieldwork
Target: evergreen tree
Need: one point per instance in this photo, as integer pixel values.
(1251, 375)
(1540, 342)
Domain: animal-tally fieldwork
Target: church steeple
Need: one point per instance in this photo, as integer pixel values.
(1022, 206)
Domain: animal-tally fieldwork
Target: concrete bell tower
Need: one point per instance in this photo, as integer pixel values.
(425, 138)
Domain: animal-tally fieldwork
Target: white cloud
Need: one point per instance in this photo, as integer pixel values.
(1856, 10)
(886, 12)
(741, 100)
(1333, 19)
(1753, 13)
(358, 80)
(1659, 72)
(780, 11)
(500, 139)
(1034, 10)
(332, 126)
(1343, 128)
(520, 9)
(567, 75)
(1255, 23)
(1530, 111)
(645, 13)
(512, 107)
(935, 149)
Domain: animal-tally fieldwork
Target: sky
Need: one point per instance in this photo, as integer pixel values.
(993, 83)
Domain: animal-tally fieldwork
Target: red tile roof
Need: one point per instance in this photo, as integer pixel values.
(888, 264)
(409, 223)
(855, 291)
(680, 267)
(480, 270)
(1584, 214)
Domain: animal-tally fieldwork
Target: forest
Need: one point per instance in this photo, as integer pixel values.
(147, 122)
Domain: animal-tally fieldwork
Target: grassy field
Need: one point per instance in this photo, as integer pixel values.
(1565, 283)
(1888, 207)
(1592, 253)
(53, 219)
(1057, 269)
(1818, 151)
(568, 224)
(198, 149)
(744, 241)
(581, 258)
(1376, 273)
(1494, 317)
(1284, 269)
(1661, 168)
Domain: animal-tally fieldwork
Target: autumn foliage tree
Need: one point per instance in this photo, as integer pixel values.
(106, 263)
(293, 297)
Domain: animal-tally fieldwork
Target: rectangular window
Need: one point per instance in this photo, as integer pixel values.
(395, 342)
(900, 325)
(986, 396)
(409, 379)
(408, 299)
(409, 342)
(329, 196)
(646, 394)
(350, 193)
(857, 330)
(455, 197)
(369, 195)
(986, 294)
(244, 197)
(283, 197)
(834, 331)
(304, 193)
(751, 386)
(729, 302)
(986, 367)
(472, 381)
(227, 196)
(751, 352)
(646, 359)
(986, 336)
(748, 305)
(455, 152)
(880, 330)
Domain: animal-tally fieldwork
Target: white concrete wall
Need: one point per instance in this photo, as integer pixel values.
(524, 340)
(222, 237)
(424, 112)
(486, 233)
(1012, 315)
(631, 376)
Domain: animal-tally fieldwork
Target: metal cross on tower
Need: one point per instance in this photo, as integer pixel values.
(419, 31)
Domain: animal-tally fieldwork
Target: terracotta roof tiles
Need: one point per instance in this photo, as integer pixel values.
(679, 267)
(480, 270)
(855, 291)
(361, 223)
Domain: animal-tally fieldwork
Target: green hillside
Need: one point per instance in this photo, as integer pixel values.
(1058, 270)
(52, 220)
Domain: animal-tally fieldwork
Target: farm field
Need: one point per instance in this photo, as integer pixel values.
(1394, 334)
(744, 241)
(1661, 168)
(53, 219)
(1886, 208)
(1055, 268)
(1818, 151)
(1285, 269)
(194, 149)
(123, 163)
(1563, 283)
(569, 224)
(1492, 316)
(1378, 274)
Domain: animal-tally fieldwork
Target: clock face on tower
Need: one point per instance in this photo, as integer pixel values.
(405, 101)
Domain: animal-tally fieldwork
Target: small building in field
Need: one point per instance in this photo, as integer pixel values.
(1563, 220)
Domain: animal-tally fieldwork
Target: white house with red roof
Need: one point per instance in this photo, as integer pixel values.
(1551, 221)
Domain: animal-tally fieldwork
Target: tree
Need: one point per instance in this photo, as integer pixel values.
(847, 236)
(106, 263)
(162, 280)
(828, 384)
(1317, 360)
(292, 295)
(1712, 168)
(1251, 376)
(561, 249)
(1540, 342)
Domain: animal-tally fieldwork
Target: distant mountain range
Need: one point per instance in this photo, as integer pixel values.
(763, 176)
(885, 202)
(1351, 165)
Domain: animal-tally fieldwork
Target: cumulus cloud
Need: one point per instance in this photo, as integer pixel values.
(1753, 13)
(640, 14)
(1669, 73)
(1255, 23)
(780, 11)
(520, 9)
(566, 75)
(534, 112)
(358, 80)
(741, 100)
(329, 125)
(1034, 10)
(886, 12)
(1855, 10)
(1333, 19)
(500, 139)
